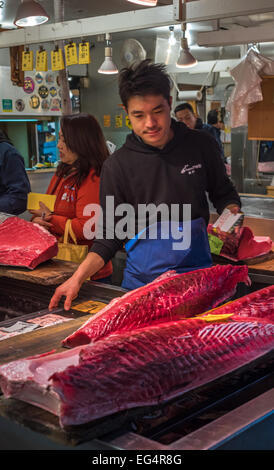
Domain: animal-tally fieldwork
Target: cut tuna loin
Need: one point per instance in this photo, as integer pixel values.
(24, 243)
(259, 303)
(145, 367)
(172, 297)
(251, 247)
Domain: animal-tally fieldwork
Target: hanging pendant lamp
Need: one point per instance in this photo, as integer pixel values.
(147, 3)
(30, 13)
(108, 67)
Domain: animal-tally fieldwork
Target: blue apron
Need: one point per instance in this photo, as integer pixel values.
(149, 258)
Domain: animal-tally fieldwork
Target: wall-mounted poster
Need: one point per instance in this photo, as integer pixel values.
(20, 105)
(34, 101)
(43, 91)
(28, 100)
(7, 105)
(29, 85)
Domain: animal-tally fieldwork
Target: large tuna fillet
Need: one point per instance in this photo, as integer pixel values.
(170, 297)
(259, 304)
(144, 367)
(24, 243)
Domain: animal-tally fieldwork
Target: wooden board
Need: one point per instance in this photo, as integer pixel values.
(38, 341)
(51, 272)
(261, 113)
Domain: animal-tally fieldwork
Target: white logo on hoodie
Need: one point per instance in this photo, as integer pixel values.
(190, 169)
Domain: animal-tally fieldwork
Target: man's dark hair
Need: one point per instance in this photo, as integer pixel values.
(212, 116)
(142, 79)
(183, 106)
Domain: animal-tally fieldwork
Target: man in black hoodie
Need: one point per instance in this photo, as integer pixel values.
(162, 163)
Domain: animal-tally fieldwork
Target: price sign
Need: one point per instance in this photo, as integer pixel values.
(27, 60)
(71, 54)
(119, 120)
(84, 53)
(107, 120)
(41, 61)
(57, 61)
(128, 123)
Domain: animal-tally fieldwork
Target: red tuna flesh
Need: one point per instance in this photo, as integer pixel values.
(155, 364)
(24, 243)
(171, 297)
(145, 367)
(250, 246)
(259, 303)
(28, 379)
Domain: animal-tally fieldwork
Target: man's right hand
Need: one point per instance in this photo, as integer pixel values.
(68, 289)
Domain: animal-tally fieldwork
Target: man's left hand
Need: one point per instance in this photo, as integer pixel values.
(234, 208)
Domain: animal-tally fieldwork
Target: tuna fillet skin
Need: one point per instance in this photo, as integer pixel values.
(25, 244)
(170, 297)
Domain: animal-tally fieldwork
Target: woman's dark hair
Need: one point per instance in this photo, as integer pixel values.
(144, 78)
(83, 135)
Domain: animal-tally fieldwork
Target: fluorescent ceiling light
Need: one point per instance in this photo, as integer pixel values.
(30, 13)
(147, 3)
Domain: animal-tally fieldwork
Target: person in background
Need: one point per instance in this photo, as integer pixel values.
(184, 113)
(14, 182)
(214, 126)
(161, 162)
(83, 150)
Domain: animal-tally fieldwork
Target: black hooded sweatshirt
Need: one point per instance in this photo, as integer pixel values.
(185, 171)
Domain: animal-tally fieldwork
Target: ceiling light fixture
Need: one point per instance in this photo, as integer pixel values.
(30, 13)
(172, 38)
(108, 67)
(147, 3)
(185, 58)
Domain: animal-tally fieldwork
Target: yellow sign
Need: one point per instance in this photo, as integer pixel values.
(27, 60)
(128, 123)
(119, 120)
(35, 198)
(41, 61)
(212, 317)
(71, 54)
(107, 120)
(57, 61)
(84, 53)
(90, 306)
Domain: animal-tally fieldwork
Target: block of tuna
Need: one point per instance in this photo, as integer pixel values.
(24, 243)
(259, 304)
(170, 297)
(143, 367)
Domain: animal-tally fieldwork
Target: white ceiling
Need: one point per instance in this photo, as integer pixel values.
(80, 9)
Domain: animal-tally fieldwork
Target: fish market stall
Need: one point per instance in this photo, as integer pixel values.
(229, 410)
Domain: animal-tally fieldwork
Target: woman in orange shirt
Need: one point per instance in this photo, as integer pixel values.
(82, 149)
